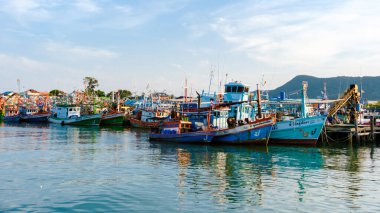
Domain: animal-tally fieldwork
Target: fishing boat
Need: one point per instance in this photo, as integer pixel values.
(256, 132)
(245, 126)
(10, 111)
(112, 118)
(149, 118)
(70, 115)
(298, 131)
(11, 114)
(11, 118)
(181, 132)
(34, 115)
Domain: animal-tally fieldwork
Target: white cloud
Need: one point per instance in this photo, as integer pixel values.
(177, 66)
(27, 10)
(87, 6)
(124, 8)
(310, 37)
(71, 51)
(35, 74)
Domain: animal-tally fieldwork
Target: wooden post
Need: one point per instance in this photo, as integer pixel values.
(372, 123)
(356, 130)
(350, 137)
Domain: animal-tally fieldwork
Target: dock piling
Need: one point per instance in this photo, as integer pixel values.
(372, 124)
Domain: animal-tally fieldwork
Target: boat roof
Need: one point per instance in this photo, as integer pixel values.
(236, 83)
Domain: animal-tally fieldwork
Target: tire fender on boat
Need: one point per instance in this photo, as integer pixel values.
(63, 123)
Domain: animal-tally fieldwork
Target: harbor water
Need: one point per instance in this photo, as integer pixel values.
(50, 168)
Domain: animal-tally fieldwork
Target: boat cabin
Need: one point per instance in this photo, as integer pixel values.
(176, 127)
(235, 92)
(238, 92)
(11, 111)
(152, 116)
(66, 111)
(28, 111)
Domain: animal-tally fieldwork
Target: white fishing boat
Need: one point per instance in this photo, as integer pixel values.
(70, 115)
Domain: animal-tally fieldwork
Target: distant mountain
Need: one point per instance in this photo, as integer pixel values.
(335, 86)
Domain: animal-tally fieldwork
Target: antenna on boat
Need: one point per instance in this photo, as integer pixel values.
(211, 76)
(18, 85)
(191, 92)
(185, 89)
(219, 85)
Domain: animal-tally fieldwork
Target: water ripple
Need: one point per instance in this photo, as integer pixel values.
(52, 168)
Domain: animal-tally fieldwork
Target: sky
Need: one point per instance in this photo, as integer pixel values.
(153, 45)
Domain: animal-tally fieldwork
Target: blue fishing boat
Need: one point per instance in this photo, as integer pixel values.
(34, 115)
(256, 132)
(301, 131)
(244, 126)
(181, 131)
(11, 118)
(11, 114)
(298, 131)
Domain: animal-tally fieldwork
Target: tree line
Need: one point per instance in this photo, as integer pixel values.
(91, 84)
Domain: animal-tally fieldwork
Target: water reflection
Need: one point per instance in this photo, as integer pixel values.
(233, 173)
(120, 165)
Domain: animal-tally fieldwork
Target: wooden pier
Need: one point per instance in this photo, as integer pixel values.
(353, 131)
(350, 133)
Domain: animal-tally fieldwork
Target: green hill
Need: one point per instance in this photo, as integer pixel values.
(335, 86)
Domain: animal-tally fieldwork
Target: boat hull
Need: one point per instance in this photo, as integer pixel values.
(254, 133)
(13, 118)
(86, 120)
(143, 124)
(116, 119)
(301, 131)
(191, 137)
(37, 118)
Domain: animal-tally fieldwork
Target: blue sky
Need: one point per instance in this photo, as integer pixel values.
(52, 44)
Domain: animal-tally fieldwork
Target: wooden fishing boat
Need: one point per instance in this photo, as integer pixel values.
(11, 114)
(148, 119)
(256, 132)
(180, 131)
(299, 131)
(70, 115)
(112, 119)
(34, 115)
(11, 118)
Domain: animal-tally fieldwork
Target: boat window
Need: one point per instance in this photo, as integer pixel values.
(240, 89)
(246, 89)
(70, 109)
(228, 89)
(234, 89)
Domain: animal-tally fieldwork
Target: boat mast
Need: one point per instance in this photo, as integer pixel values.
(303, 99)
(259, 114)
(211, 76)
(118, 100)
(185, 89)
